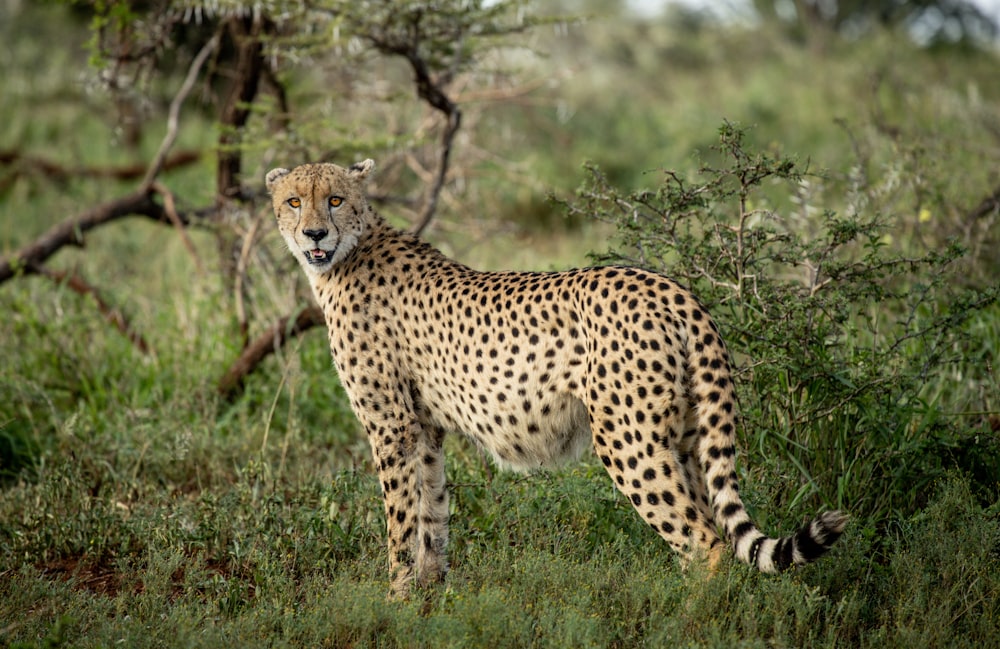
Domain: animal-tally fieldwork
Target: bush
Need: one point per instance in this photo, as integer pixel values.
(839, 334)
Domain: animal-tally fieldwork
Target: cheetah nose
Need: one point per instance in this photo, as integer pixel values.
(316, 235)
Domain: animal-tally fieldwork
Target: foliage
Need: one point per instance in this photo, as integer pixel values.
(933, 22)
(838, 333)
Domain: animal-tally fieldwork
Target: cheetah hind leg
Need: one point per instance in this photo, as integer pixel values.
(652, 477)
(432, 519)
(699, 494)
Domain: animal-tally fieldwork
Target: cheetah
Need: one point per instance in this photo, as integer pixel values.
(530, 365)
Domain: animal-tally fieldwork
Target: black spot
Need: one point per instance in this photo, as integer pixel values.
(742, 529)
(731, 509)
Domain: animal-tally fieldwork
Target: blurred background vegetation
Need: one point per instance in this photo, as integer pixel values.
(825, 174)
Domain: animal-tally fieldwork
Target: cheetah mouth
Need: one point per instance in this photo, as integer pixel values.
(318, 257)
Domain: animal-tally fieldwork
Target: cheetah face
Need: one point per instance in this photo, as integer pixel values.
(321, 211)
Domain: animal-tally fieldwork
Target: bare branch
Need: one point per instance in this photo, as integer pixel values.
(112, 314)
(987, 206)
(173, 116)
(444, 156)
(170, 209)
(26, 163)
(241, 274)
(71, 231)
(434, 94)
(266, 344)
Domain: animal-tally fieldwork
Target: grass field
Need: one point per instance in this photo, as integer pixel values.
(138, 508)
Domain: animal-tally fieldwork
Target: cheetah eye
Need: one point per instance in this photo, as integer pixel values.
(294, 202)
(336, 201)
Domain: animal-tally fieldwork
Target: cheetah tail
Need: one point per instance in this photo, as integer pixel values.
(711, 388)
(772, 555)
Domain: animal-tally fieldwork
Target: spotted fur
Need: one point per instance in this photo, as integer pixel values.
(533, 367)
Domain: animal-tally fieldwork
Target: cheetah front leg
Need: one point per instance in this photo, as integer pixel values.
(394, 448)
(410, 462)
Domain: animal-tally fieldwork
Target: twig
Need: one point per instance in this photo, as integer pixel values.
(173, 116)
(503, 94)
(267, 343)
(433, 93)
(140, 202)
(454, 120)
(989, 205)
(241, 271)
(170, 208)
(110, 313)
(71, 231)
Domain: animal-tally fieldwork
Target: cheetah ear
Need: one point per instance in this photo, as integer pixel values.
(360, 170)
(273, 176)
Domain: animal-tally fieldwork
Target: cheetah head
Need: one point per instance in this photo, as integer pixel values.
(321, 211)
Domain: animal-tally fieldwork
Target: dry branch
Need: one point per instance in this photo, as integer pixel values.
(71, 231)
(57, 171)
(112, 314)
(173, 115)
(139, 202)
(987, 206)
(267, 343)
(170, 209)
(434, 94)
(453, 121)
(241, 277)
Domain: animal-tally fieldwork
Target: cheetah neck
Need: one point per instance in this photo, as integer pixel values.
(383, 251)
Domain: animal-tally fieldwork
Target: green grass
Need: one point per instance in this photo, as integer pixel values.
(139, 509)
(551, 560)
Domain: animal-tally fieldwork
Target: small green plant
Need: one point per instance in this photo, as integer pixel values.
(837, 333)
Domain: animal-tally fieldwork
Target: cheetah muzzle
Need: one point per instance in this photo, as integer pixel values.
(318, 256)
(534, 367)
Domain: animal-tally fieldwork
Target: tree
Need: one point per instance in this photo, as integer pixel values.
(932, 21)
(250, 61)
